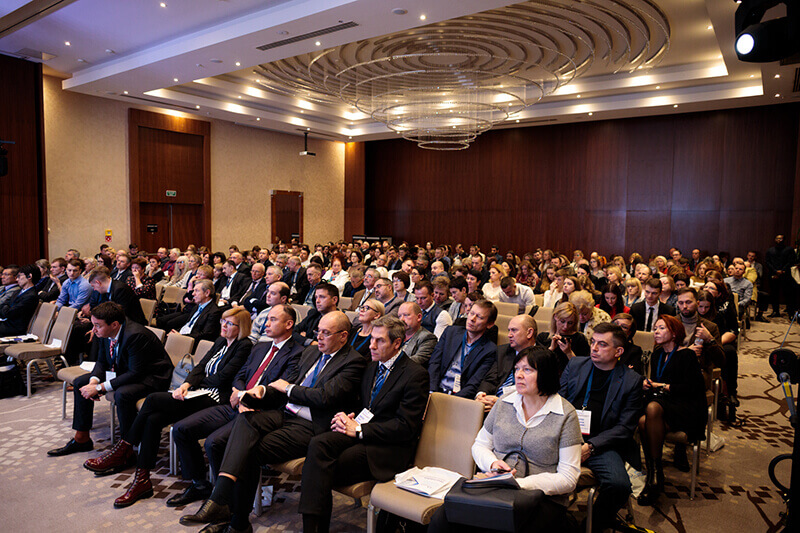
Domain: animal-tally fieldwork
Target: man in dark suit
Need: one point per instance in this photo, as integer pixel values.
(608, 397)
(239, 264)
(268, 362)
(326, 300)
(380, 441)
(235, 286)
(521, 334)
(199, 320)
(296, 279)
(255, 291)
(463, 356)
(131, 362)
(122, 269)
(106, 289)
(17, 313)
(328, 381)
(646, 312)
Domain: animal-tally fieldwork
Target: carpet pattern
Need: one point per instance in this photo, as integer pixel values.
(733, 493)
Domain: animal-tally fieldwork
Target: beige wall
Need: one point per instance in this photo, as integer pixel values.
(86, 151)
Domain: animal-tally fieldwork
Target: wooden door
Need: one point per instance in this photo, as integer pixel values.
(287, 216)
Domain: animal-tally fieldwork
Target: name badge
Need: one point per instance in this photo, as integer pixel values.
(509, 389)
(457, 384)
(364, 416)
(110, 375)
(584, 420)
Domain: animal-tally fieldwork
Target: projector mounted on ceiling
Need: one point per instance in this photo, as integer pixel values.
(305, 146)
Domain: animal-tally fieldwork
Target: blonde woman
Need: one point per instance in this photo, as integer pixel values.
(633, 292)
(588, 315)
(492, 289)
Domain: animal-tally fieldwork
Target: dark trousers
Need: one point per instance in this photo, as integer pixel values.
(332, 459)
(614, 490)
(125, 398)
(730, 372)
(160, 409)
(213, 424)
(258, 438)
(78, 341)
(173, 321)
(550, 516)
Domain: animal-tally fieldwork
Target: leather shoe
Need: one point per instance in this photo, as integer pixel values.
(225, 528)
(193, 493)
(209, 513)
(119, 457)
(140, 488)
(72, 447)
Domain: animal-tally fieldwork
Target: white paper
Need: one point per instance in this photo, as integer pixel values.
(87, 365)
(195, 393)
(430, 481)
(55, 344)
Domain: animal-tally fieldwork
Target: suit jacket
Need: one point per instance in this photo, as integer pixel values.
(357, 298)
(253, 300)
(335, 390)
(244, 268)
(499, 371)
(48, 290)
(120, 293)
(391, 435)
(639, 309)
(476, 364)
(232, 361)
(621, 410)
(282, 366)
(239, 286)
(712, 354)
(393, 306)
(420, 346)
(300, 284)
(206, 327)
(219, 284)
(123, 277)
(141, 358)
(8, 294)
(18, 312)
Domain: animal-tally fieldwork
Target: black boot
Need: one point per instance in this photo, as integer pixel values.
(654, 483)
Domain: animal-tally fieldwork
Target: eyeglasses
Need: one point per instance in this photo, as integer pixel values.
(325, 334)
(228, 323)
(365, 307)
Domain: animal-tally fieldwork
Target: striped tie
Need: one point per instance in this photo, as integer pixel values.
(507, 383)
(379, 379)
(112, 343)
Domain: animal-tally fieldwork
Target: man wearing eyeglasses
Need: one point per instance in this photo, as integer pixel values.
(385, 295)
(292, 414)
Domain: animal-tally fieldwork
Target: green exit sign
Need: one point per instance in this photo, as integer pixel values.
(172, 194)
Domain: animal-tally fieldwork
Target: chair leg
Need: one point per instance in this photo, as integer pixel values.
(590, 509)
(64, 401)
(28, 375)
(695, 466)
(113, 423)
(372, 518)
(173, 455)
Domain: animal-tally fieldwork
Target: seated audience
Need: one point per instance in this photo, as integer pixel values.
(277, 293)
(253, 298)
(235, 285)
(356, 282)
(564, 339)
(200, 319)
(588, 315)
(633, 292)
(336, 276)
(458, 291)
(434, 318)
(612, 301)
(49, 286)
(668, 294)
(647, 311)
(400, 283)
(326, 300)
(17, 311)
(385, 295)
(361, 335)
(418, 343)
(493, 289)
(143, 285)
(632, 356)
(512, 292)
(296, 278)
(552, 296)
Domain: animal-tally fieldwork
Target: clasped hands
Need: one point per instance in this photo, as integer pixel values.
(344, 423)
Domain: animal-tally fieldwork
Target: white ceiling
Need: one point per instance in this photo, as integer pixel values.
(140, 47)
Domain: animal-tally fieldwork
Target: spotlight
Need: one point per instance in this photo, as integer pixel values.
(760, 41)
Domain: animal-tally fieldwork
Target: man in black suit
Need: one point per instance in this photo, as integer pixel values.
(268, 362)
(521, 334)
(464, 355)
(296, 279)
(235, 286)
(326, 300)
(328, 381)
(608, 397)
(199, 320)
(255, 291)
(380, 441)
(131, 362)
(240, 264)
(17, 313)
(122, 269)
(106, 289)
(646, 312)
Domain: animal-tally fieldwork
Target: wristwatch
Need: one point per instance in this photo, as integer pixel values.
(359, 435)
(591, 448)
(99, 387)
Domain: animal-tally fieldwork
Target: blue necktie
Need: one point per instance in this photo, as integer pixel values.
(311, 379)
(381, 377)
(194, 316)
(509, 381)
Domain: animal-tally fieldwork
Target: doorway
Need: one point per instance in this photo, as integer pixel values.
(287, 216)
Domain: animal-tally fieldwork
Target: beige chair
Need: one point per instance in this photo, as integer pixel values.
(543, 326)
(507, 309)
(450, 426)
(351, 315)
(160, 333)
(202, 349)
(302, 311)
(40, 324)
(502, 323)
(345, 303)
(173, 296)
(160, 288)
(538, 299)
(32, 353)
(177, 346)
(149, 309)
(544, 313)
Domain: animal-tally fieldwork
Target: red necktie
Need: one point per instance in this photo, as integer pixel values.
(111, 344)
(257, 376)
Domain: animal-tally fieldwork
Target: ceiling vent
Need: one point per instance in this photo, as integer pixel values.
(33, 55)
(310, 35)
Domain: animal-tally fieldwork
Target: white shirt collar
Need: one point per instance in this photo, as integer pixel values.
(553, 404)
(390, 363)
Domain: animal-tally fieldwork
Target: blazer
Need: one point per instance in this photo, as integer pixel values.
(239, 286)
(499, 371)
(18, 312)
(231, 362)
(141, 358)
(253, 300)
(207, 326)
(390, 437)
(476, 364)
(282, 366)
(638, 313)
(48, 290)
(621, 410)
(335, 390)
(420, 346)
(300, 285)
(121, 293)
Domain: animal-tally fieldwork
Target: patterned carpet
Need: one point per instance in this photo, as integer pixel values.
(734, 492)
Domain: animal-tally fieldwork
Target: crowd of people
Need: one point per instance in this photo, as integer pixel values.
(348, 393)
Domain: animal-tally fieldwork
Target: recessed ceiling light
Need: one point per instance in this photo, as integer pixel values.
(302, 111)
(590, 113)
(318, 43)
(777, 76)
(215, 60)
(67, 43)
(110, 51)
(258, 118)
(284, 32)
(517, 121)
(577, 96)
(710, 27)
(752, 75)
(197, 107)
(349, 137)
(163, 4)
(175, 80)
(658, 86)
(777, 95)
(81, 60)
(422, 17)
(124, 92)
(240, 96)
(308, 129)
(399, 11)
(675, 105)
(238, 64)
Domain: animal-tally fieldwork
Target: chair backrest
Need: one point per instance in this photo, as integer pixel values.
(302, 311)
(644, 340)
(160, 288)
(544, 313)
(345, 302)
(351, 315)
(160, 333)
(538, 299)
(542, 326)
(62, 328)
(148, 308)
(502, 323)
(177, 346)
(507, 309)
(173, 295)
(450, 426)
(43, 320)
(202, 349)
(502, 337)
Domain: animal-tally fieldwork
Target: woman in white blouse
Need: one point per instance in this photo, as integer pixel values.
(335, 275)
(535, 420)
(492, 289)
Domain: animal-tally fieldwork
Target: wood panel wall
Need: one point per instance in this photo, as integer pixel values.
(23, 202)
(721, 180)
(353, 189)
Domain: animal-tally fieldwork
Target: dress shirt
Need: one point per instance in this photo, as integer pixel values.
(107, 385)
(226, 291)
(279, 346)
(187, 328)
(442, 321)
(647, 308)
(74, 293)
(523, 297)
(301, 410)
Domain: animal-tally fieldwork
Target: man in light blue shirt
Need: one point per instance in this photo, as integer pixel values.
(75, 291)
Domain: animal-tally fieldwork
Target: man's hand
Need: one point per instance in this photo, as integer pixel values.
(90, 391)
(234, 397)
(343, 423)
(702, 333)
(243, 409)
(586, 452)
(280, 385)
(257, 392)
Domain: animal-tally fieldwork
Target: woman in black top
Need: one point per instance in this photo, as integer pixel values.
(361, 336)
(564, 339)
(714, 303)
(674, 397)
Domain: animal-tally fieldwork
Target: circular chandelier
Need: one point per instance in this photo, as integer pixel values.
(443, 84)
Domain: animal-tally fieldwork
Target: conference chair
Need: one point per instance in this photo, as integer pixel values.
(351, 315)
(345, 303)
(502, 324)
(160, 333)
(40, 324)
(46, 352)
(645, 341)
(149, 309)
(507, 309)
(544, 313)
(201, 350)
(173, 297)
(302, 311)
(160, 289)
(448, 431)
(586, 480)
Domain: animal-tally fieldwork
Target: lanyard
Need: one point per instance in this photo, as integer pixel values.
(465, 349)
(662, 363)
(358, 348)
(588, 389)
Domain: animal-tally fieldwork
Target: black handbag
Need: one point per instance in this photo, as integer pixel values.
(497, 509)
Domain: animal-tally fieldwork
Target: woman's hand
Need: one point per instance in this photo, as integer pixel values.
(497, 468)
(180, 392)
(566, 346)
(554, 342)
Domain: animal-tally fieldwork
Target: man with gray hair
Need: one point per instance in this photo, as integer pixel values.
(418, 343)
(277, 293)
(296, 278)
